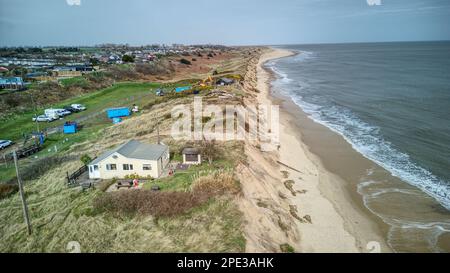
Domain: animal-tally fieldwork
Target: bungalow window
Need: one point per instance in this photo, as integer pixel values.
(147, 167)
(127, 167)
(111, 167)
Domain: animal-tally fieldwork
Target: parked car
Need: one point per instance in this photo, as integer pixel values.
(159, 92)
(52, 113)
(71, 109)
(63, 112)
(79, 107)
(5, 143)
(44, 118)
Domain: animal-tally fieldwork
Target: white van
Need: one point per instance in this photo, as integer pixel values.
(53, 113)
(78, 107)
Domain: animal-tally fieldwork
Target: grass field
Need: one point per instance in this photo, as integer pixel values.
(121, 94)
(60, 215)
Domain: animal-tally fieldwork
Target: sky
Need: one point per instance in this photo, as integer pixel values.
(228, 22)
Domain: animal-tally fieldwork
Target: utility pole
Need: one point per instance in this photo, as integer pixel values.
(22, 195)
(157, 129)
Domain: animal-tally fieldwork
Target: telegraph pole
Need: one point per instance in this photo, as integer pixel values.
(22, 195)
(157, 128)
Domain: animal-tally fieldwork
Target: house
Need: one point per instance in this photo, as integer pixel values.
(66, 72)
(130, 158)
(15, 83)
(225, 81)
(191, 156)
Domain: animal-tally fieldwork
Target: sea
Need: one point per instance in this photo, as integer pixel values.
(391, 102)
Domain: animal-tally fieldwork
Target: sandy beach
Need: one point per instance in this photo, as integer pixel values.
(332, 222)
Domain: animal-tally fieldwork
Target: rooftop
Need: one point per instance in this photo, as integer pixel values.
(135, 149)
(191, 151)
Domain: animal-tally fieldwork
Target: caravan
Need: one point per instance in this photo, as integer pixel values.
(56, 113)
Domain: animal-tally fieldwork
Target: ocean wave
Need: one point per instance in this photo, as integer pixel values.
(364, 138)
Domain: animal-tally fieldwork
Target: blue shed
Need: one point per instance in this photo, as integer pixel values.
(182, 89)
(118, 112)
(70, 127)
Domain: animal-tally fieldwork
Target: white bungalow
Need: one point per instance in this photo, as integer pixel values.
(130, 158)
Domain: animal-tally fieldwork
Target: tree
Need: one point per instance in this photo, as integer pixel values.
(94, 61)
(127, 58)
(209, 150)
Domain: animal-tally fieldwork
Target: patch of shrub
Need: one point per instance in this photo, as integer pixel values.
(218, 183)
(127, 58)
(160, 67)
(123, 73)
(184, 61)
(287, 248)
(40, 167)
(12, 101)
(85, 159)
(7, 189)
(146, 202)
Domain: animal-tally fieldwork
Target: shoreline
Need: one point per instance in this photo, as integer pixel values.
(338, 223)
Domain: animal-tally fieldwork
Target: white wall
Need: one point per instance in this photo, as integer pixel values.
(155, 172)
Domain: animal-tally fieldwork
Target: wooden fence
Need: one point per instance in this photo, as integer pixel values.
(72, 178)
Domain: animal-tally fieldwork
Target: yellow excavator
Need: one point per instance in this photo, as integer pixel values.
(207, 82)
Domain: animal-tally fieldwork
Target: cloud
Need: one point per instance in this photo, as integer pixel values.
(73, 2)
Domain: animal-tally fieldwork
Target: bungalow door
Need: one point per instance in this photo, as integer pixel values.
(94, 173)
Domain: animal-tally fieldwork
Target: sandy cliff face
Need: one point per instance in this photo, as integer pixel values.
(268, 223)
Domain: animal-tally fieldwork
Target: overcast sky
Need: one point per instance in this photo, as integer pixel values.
(230, 22)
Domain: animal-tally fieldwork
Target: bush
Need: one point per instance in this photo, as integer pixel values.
(287, 248)
(85, 159)
(146, 202)
(127, 58)
(123, 73)
(215, 184)
(7, 190)
(184, 61)
(39, 167)
(160, 67)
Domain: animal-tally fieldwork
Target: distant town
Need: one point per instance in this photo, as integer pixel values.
(21, 66)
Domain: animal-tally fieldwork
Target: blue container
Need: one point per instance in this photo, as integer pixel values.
(116, 120)
(182, 89)
(70, 128)
(118, 112)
